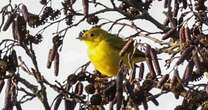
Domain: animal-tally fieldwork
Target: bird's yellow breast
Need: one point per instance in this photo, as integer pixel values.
(104, 48)
(105, 58)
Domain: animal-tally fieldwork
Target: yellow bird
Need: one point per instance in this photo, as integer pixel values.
(103, 51)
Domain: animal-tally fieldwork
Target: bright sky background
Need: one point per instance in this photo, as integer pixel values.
(74, 53)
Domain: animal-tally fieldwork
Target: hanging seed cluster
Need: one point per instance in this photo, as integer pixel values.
(53, 54)
(193, 49)
(68, 11)
(8, 68)
(93, 91)
(132, 11)
(18, 21)
(191, 44)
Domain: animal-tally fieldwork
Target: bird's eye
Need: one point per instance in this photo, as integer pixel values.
(91, 34)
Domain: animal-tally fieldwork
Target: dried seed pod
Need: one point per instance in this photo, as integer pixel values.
(126, 47)
(9, 20)
(173, 82)
(176, 74)
(198, 73)
(196, 60)
(187, 34)
(141, 71)
(130, 90)
(90, 89)
(70, 104)
(25, 12)
(119, 87)
(79, 88)
(20, 29)
(8, 103)
(163, 80)
(14, 57)
(203, 55)
(13, 30)
(182, 35)
(185, 4)
(132, 73)
(145, 105)
(58, 102)
(51, 56)
(155, 61)
(2, 20)
(185, 54)
(175, 79)
(49, 61)
(1, 85)
(3, 67)
(173, 22)
(169, 34)
(12, 61)
(166, 3)
(96, 99)
(56, 64)
(85, 4)
(149, 62)
(188, 71)
(57, 41)
(176, 8)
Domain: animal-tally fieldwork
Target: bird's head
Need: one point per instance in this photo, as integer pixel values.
(93, 36)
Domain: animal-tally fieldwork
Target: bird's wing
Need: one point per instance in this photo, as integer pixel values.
(118, 43)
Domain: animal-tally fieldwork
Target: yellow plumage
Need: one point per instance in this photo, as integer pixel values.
(103, 51)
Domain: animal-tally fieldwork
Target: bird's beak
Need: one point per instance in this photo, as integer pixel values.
(81, 37)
